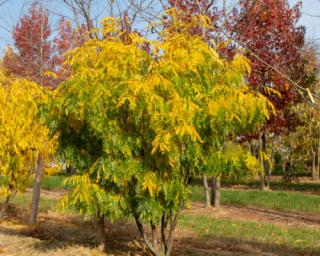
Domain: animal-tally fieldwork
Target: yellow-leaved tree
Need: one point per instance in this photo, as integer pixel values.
(24, 142)
(138, 124)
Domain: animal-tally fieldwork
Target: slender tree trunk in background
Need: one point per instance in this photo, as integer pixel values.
(206, 191)
(100, 232)
(215, 192)
(318, 155)
(255, 152)
(261, 162)
(314, 168)
(70, 170)
(262, 145)
(212, 197)
(270, 171)
(36, 191)
(292, 171)
(270, 167)
(284, 160)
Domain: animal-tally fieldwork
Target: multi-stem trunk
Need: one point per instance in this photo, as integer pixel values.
(36, 191)
(206, 191)
(162, 245)
(215, 192)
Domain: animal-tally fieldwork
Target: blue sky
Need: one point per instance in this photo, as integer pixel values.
(310, 7)
(14, 9)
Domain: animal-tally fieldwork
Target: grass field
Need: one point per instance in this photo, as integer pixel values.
(278, 185)
(304, 239)
(54, 182)
(278, 200)
(45, 204)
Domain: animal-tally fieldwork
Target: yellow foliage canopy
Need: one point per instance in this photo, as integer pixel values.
(138, 123)
(22, 135)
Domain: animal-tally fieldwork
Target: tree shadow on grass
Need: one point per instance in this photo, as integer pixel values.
(54, 233)
(121, 238)
(224, 246)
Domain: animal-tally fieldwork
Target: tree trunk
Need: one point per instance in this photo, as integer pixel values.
(206, 191)
(268, 178)
(4, 205)
(71, 170)
(163, 247)
(318, 156)
(264, 163)
(36, 191)
(100, 232)
(11, 194)
(315, 175)
(271, 167)
(284, 170)
(215, 192)
(154, 235)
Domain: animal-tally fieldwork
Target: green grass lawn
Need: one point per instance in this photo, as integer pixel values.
(302, 238)
(278, 200)
(54, 182)
(25, 202)
(279, 185)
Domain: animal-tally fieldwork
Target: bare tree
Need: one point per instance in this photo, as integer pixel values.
(141, 14)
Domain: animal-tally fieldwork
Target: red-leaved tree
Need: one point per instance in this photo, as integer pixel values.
(37, 54)
(273, 42)
(269, 33)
